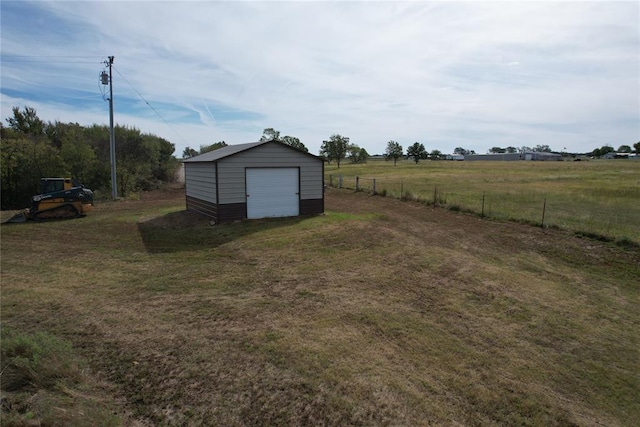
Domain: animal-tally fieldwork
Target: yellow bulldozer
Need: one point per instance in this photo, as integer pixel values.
(59, 198)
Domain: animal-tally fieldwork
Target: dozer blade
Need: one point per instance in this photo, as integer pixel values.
(19, 217)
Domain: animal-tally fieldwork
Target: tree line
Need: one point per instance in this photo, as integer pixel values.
(32, 149)
(336, 148)
(605, 149)
(269, 134)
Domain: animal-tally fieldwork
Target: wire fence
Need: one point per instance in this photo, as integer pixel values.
(605, 220)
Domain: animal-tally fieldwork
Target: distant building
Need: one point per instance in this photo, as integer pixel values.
(531, 155)
(614, 155)
(544, 156)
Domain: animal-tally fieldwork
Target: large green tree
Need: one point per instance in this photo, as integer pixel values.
(542, 148)
(624, 149)
(357, 154)
(511, 149)
(164, 163)
(294, 142)
(26, 121)
(335, 148)
(598, 152)
(497, 150)
(143, 160)
(79, 157)
(393, 151)
(190, 152)
(270, 134)
(212, 147)
(416, 151)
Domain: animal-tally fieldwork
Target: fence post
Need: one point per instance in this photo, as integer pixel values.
(544, 208)
(340, 181)
(374, 186)
(330, 180)
(435, 195)
(482, 212)
(402, 190)
(357, 183)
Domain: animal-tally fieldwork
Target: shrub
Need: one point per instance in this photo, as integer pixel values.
(36, 361)
(625, 242)
(594, 236)
(43, 383)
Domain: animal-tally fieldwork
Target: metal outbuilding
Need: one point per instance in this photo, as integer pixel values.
(254, 180)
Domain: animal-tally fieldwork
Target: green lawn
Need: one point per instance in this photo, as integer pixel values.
(593, 197)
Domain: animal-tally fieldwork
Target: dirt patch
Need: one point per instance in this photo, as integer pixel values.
(168, 192)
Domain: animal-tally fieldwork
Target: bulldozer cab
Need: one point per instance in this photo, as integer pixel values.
(51, 185)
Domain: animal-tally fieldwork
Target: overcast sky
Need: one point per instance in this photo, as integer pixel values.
(446, 74)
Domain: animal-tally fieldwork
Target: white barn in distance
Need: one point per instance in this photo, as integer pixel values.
(254, 180)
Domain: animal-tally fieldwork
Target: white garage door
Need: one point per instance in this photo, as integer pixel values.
(272, 192)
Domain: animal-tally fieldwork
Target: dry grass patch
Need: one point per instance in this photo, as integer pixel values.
(577, 196)
(377, 313)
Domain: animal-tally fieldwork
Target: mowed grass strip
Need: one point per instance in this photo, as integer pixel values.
(379, 312)
(598, 197)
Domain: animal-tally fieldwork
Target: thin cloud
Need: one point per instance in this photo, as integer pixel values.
(448, 74)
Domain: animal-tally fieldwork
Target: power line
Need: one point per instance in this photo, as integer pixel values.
(78, 97)
(49, 59)
(47, 62)
(150, 106)
(52, 56)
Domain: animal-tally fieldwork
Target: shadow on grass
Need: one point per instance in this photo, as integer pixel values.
(190, 231)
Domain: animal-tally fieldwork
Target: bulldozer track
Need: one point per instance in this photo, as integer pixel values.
(61, 212)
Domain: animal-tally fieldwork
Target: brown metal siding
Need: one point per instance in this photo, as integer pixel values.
(311, 206)
(232, 212)
(219, 213)
(202, 206)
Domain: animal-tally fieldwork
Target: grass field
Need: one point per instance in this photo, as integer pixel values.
(379, 312)
(593, 197)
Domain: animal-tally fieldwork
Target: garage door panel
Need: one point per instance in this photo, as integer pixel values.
(272, 192)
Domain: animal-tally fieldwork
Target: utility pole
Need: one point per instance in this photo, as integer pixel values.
(112, 140)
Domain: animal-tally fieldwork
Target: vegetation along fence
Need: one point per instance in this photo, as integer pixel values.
(582, 215)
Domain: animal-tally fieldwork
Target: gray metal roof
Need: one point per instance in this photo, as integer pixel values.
(230, 150)
(223, 152)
